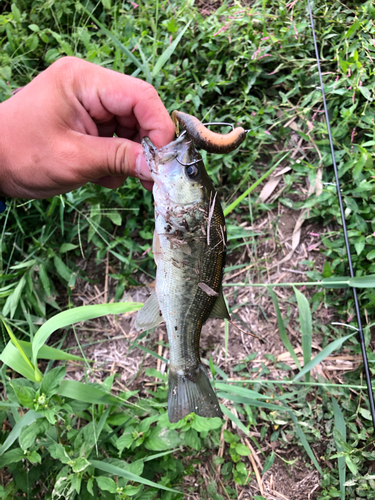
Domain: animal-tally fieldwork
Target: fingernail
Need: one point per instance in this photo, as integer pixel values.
(141, 168)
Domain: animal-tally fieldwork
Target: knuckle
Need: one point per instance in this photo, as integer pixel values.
(147, 88)
(117, 160)
(65, 62)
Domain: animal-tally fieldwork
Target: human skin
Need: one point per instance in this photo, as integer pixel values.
(56, 133)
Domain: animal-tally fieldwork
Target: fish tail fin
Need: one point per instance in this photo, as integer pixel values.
(189, 392)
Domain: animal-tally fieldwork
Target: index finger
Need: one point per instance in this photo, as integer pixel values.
(135, 103)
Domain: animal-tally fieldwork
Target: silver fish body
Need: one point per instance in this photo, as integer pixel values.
(189, 250)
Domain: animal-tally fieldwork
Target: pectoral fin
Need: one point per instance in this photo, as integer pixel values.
(149, 316)
(220, 309)
(156, 248)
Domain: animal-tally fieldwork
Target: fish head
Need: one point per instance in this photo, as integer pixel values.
(180, 178)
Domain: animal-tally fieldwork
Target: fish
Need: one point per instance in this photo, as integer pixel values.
(189, 247)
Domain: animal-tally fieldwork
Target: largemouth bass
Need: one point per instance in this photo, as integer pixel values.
(189, 249)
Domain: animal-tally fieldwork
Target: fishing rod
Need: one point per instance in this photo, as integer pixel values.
(360, 331)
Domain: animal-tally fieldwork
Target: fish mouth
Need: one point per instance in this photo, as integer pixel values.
(157, 159)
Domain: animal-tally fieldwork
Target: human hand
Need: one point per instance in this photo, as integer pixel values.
(56, 134)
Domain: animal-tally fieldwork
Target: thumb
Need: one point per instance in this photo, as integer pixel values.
(111, 157)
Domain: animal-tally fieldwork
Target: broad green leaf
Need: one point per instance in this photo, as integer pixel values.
(14, 359)
(169, 51)
(353, 28)
(16, 13)
(366, 92)
(371, 255)
(11, 457)
(242, 450)
(87, 393)
(34, 457)
(77, 315)
(352, 466)
(126, 440)
(58, 452)
(14, 434)
(51, 380)
(162, 439)
(115, 217)
(67, 247)
(322, 355)
(117, 471)
(29, 433)
(25, 395)
(341, 428)
(25, 364)
(282, 330)
(359, 244)
(306, 327)
(202, 424)
(106, 483)
(80, 464)
(192, 439)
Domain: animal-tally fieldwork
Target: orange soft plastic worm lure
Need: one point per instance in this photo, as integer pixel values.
(206, 139)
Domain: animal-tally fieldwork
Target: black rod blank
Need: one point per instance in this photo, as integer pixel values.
(360, 331)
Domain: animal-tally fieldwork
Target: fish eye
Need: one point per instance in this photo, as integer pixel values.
(192, 171)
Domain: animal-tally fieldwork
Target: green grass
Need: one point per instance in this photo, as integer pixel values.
(74, 439)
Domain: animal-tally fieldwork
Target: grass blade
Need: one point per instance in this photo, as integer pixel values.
(282, 331)
(145, 65)
(27, 419)
(240, 391)
(236, 202)
(235, 420)
(114, 39)
(341, 428)
(306, 328)
(77, 315)
(47, 352)
(117, 471)
(304, 442)
(251, 402)
(322, 355)
(363, 281)
(169, 51)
